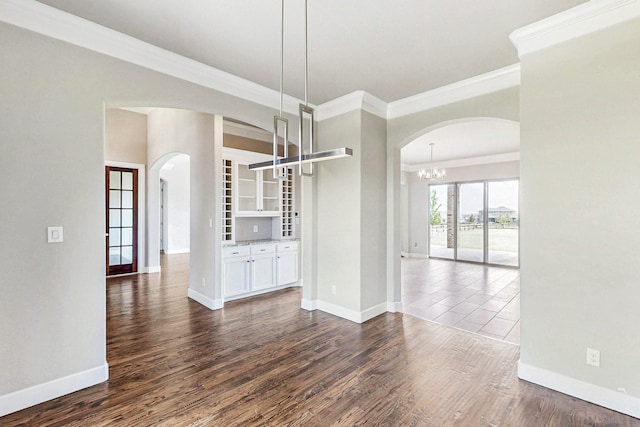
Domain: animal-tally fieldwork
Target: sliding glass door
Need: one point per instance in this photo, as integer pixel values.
(475, 221)
(470, 222)
(503, 222)
(441, 221)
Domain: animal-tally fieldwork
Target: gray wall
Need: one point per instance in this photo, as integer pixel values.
(52, 106)
(125, 136)
(579, 183)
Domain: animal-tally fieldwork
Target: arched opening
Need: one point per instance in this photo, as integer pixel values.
(444, 222)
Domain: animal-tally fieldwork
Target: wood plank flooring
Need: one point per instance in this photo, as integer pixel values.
(265, 362)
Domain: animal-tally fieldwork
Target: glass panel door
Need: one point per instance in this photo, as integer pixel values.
(470, 228)
(503, 222)
(441, 220)
(121, 202)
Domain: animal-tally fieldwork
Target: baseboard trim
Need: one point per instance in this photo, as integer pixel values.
(416, 255)
(36, 394)
(211, 304)
(154, 269)
(178, 251)
(352, 315)
(309, 305)
(614, 400)
(394, 307)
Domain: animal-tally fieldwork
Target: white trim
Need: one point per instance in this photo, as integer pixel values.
(309, 305)
(251, 132)
(36, 394)
(211, 304)
(261, 292)
(178, 251)
(615, 400)
(503, 78)
(153, 269)
(358, 100)
(573, 23)
(352, 315)
(52, 22)
(416, 255)
(394, 307)
(470, 161)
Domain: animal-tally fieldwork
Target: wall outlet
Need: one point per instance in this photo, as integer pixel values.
(255, 228)
(593, 357)
(333, 290)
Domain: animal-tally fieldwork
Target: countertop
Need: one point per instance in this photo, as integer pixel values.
(257, 242)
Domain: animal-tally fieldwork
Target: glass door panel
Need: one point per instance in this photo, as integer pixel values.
(121, 244)
(503, 223)
(441, 221)
(470, 238)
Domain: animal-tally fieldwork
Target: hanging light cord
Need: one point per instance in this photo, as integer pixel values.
(306, 84)
(281, 55)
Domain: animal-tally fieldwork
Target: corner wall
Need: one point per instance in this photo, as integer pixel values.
(579, 183)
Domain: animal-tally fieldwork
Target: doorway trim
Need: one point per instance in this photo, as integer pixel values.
(142, 214)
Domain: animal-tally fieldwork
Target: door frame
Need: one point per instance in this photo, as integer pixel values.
(142, 214)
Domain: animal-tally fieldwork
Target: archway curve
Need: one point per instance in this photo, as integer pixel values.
(407, 140)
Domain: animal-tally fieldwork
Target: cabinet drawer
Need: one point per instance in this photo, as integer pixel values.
(263, 249)
(287, 246)
(231, 251)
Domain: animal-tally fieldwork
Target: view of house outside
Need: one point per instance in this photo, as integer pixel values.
(501, 217)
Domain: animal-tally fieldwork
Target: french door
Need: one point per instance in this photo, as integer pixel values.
(121, 196)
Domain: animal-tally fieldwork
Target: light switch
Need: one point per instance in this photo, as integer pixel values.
(54, 235)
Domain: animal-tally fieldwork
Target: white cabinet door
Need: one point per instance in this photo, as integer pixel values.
(257, 193)
(263, 271)
(236, 275)
(287, 268)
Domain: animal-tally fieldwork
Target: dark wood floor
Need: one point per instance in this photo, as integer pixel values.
(266, 362)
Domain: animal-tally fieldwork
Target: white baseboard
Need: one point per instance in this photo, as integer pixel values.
(416, 255)
(394, 307)
(211, 304)
(309, 305)
(154, 269)
(178, 251)
(36, 394)
(615, 400)
(352, 315)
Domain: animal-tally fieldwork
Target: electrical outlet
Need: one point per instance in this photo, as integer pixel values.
(255, 228)
(333, 290)
(593, 357)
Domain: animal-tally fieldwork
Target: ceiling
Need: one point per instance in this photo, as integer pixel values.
(390, 49)
(476, 141)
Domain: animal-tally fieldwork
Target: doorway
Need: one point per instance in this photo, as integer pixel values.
(121, 205)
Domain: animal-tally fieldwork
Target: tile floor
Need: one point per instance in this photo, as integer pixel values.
(474, 297)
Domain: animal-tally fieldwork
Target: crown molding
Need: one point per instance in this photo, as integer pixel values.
(54, 23)
(457, 163)
(358, 100)
(575, 22)
(483, 84)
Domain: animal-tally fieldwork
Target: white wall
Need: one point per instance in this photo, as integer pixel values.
(579, 192)
(125, 136)
(177, 205)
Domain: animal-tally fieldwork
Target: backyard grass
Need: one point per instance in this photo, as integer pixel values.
(500, 239)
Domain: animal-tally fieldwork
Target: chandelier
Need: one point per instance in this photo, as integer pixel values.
(306, 154)
(433, 174)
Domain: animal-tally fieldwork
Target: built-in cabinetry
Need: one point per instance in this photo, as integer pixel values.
(227, 201)
(257, 268)
(257, 192)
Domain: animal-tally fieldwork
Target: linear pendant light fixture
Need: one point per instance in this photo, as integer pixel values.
(306, 113)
